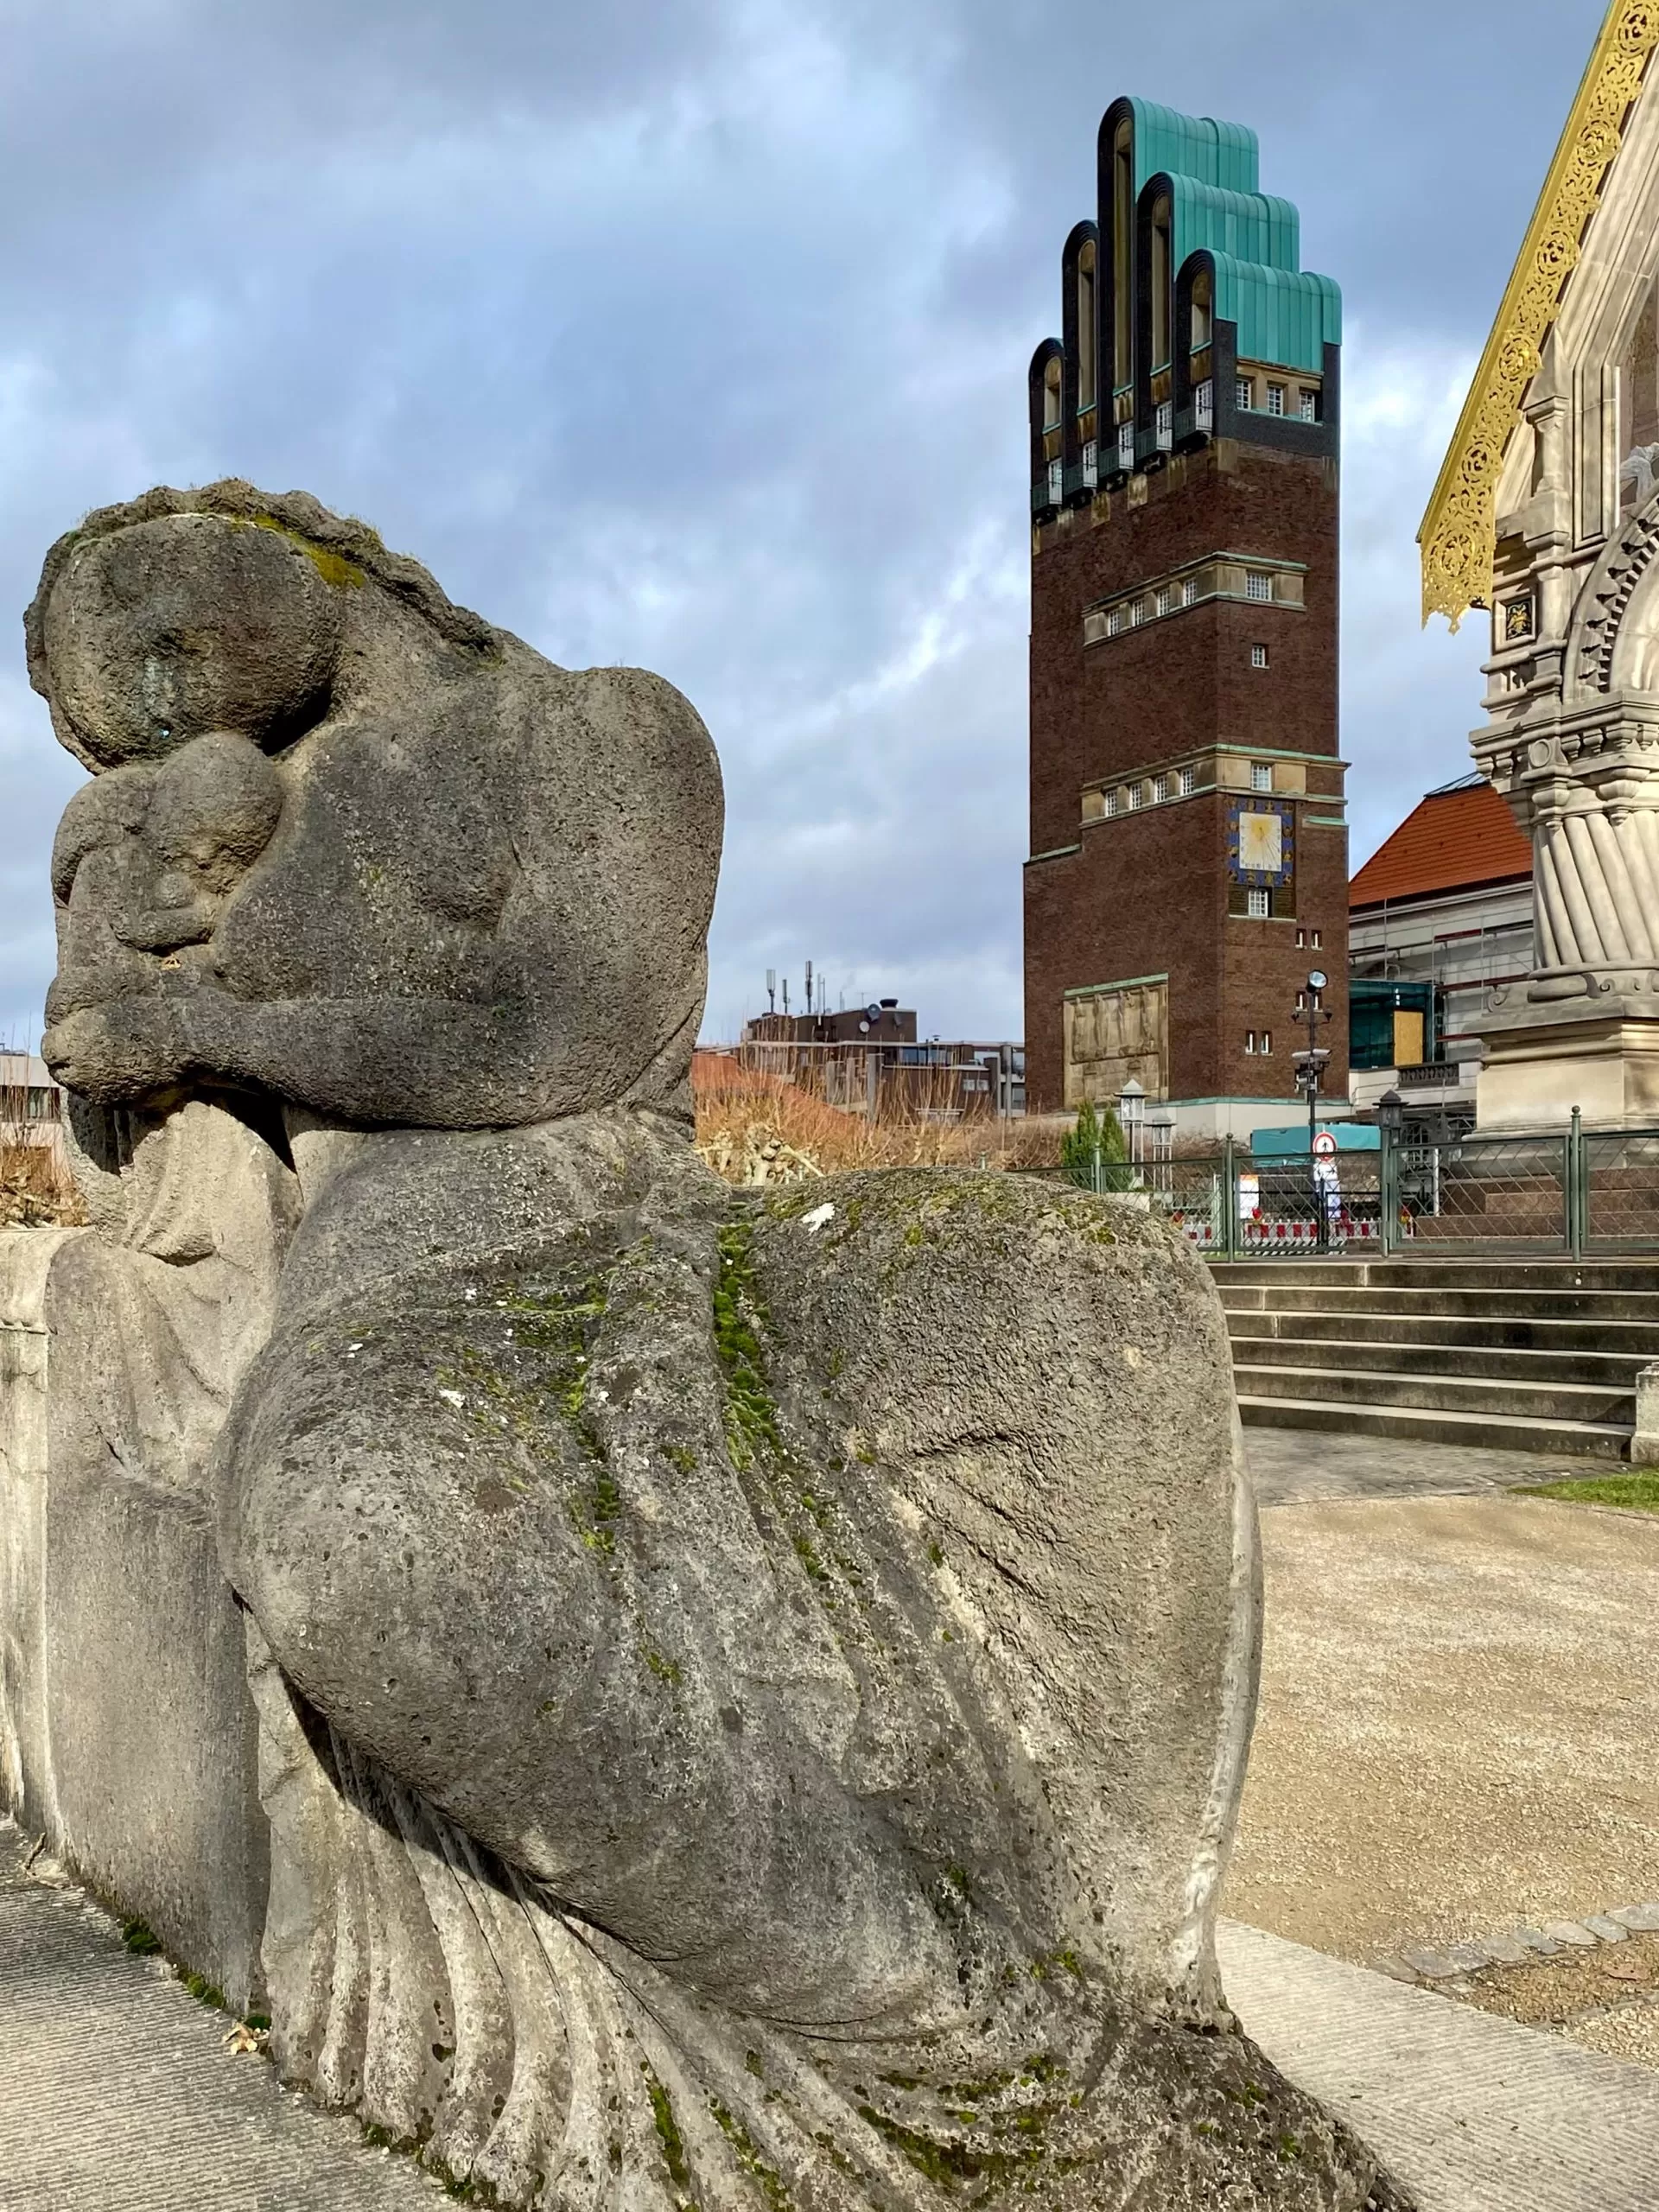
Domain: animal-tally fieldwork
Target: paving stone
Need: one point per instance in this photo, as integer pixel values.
(1536, 1940)
(1643, 1918)
(1505, 1950)
(1570, 1931)
(1469, 1958)
(1432, 1964)
(1396, 1970)
(1608, 1930)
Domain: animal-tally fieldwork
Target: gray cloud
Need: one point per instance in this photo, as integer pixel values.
(693, 335)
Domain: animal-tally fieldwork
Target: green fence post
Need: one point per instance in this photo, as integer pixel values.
(1229, 1197)
(1577, 1171)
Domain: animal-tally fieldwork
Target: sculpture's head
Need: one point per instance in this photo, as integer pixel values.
(153, 635)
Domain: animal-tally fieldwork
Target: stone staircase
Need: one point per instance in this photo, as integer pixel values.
(1539, 1356)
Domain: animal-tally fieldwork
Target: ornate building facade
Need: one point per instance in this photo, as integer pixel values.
(1547, 514)
(1189, 852)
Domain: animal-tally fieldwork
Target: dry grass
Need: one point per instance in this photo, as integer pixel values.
(756, 1128)
(36, 1189)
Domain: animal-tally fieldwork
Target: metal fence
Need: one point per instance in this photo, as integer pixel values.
(1581, 1192)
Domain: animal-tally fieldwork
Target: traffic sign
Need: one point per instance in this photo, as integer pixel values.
(1325, 1146)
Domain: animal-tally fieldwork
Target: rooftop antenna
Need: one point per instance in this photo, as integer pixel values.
(809, 987)
(785, 995)
(772, 990)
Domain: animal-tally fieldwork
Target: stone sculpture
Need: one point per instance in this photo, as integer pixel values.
(740, 1697)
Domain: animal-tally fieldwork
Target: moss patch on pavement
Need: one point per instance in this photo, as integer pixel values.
(1636, 1491)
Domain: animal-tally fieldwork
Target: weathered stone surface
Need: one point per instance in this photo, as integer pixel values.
(1569, 1931)
(751, 1693)
(1506, 1950)
(1433, 1965)
(1606, 1931)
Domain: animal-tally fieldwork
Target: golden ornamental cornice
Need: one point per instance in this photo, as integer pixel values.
(1459, 539)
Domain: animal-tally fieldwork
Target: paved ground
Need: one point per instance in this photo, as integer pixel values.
(117, 2093)
(1301, 1466)
(1460, 1720)
(1471, 2113)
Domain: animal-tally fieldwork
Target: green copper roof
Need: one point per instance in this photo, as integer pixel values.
(1193, 145)
(1286, 317)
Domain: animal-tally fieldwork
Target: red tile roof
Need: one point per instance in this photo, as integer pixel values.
(1455, 839)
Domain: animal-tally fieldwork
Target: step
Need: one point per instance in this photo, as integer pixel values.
(1610, 1370)
(1416, 1425)
(1565, 1304)
(1634, 1340)
(1351, 1386)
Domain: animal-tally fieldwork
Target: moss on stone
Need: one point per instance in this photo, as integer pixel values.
(740, 1316)
(679, 2170)
(770, 2182)
(334, 567)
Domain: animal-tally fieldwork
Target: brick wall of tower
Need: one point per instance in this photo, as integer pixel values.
(1147, 893)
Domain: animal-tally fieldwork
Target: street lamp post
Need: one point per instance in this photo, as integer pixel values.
(1308, 1065)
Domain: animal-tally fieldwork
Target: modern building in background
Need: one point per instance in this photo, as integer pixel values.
(1440, 934)
(1189, 852)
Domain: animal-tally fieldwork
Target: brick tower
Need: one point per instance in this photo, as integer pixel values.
(1189, 852)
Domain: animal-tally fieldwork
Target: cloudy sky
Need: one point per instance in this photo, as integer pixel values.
(693, 333)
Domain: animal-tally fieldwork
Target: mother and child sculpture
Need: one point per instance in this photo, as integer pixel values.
(666, 1695)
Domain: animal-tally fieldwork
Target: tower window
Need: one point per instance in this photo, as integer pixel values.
(1190, 592)
(1258, 656)
(1259, 905)
(1161, 284)
(1201, 304)
(1258, 585)
(1137, 612)
(1260, 775)
(1244, 393)
(1137, 793)
(1314, 939)
(1310, 406)
(1275, 399)
(1166, 599)
(1115, 622)
(1187, 779)
(1086, 327)
(1109, 800)
(1052, 395)
(1159, 790)
(1123, 220)
(1265, 1042)
(1250, 1044)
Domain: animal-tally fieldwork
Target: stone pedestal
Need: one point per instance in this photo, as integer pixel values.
(1600, 1055)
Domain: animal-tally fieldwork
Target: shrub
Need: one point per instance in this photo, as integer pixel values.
(1094, 1154)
